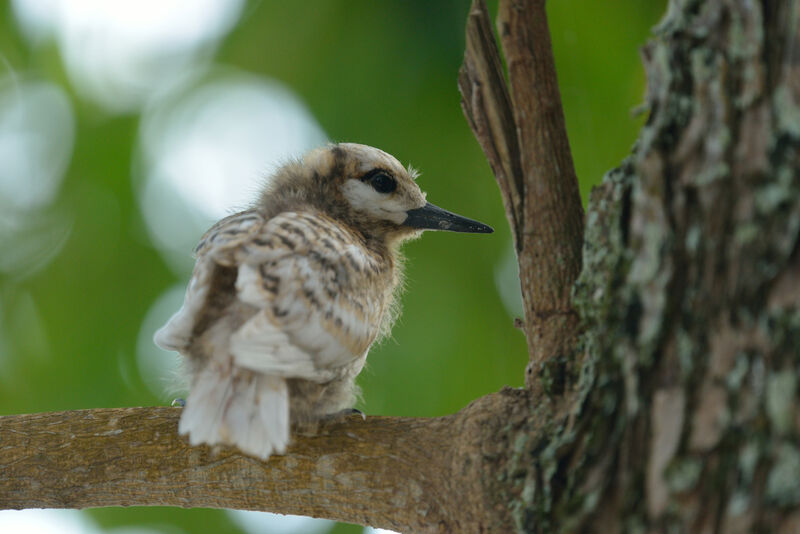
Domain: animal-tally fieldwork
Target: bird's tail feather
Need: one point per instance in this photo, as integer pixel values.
(238, 407)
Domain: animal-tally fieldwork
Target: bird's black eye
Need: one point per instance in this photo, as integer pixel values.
(381, 181)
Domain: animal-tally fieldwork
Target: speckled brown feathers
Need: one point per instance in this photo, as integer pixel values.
(287, 297)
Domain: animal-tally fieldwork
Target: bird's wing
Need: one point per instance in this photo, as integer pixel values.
(215, 248)
(313, 286)
(307, 284)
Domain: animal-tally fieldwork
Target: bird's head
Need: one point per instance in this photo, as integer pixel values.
(368, 189)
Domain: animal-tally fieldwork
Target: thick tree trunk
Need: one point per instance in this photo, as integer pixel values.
(662, 388)
(681, 414)
(690, 293)
(691, 285)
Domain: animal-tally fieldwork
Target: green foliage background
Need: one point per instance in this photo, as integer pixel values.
(380, 73)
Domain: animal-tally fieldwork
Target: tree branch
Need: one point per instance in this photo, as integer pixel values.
(524, 137)
(355, 471)
(487, 106)
(390, 472)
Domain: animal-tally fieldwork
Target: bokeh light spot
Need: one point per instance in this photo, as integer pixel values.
(207, 150)
(506, 280)
(49, 521)
(160, 370)
(119, 53)
(37, 130)
(260, 522)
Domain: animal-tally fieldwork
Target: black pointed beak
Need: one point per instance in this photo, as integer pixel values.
(430, 217)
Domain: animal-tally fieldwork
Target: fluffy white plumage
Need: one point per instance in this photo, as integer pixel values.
(282, 323)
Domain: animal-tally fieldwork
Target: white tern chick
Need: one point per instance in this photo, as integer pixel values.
(287, 296)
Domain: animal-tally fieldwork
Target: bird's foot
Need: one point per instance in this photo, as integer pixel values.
(343, 414)
(311, 426)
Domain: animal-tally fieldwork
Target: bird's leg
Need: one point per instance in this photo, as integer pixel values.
(343, 414)
(310, 427)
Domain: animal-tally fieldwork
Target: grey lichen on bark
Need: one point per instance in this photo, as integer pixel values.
(691, 284)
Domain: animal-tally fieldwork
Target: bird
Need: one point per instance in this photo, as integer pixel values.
(287, 297)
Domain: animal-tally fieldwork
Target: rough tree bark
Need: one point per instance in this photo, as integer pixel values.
(662, 388)
(523, 133)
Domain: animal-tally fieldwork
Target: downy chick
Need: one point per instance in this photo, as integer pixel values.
(287, 297)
